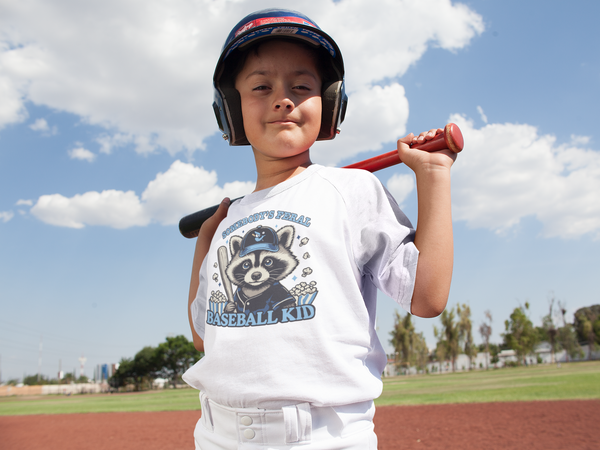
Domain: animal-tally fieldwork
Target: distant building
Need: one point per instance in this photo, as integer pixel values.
(102, 372)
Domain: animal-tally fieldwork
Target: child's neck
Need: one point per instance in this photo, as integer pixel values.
(270, 173)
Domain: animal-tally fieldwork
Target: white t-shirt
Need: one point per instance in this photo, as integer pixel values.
(287, 313)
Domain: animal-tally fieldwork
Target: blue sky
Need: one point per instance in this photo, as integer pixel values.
(107, 138)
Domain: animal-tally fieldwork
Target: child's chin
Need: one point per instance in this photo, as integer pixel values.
(290, 144)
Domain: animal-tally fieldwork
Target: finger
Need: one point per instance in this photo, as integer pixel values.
(222, 210)
(427, 135)
(211, 224)
(407, 139)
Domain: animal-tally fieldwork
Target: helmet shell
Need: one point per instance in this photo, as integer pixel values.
(269, 24)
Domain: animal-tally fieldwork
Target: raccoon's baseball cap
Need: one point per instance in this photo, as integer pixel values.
(260, 238)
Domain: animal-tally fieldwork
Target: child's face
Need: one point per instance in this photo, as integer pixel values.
(280, 90)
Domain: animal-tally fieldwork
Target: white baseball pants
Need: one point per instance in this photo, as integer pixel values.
(296, 427)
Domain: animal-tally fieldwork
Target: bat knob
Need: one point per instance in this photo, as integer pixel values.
(453, 138)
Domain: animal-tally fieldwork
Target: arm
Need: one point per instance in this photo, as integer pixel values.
(205, 236)
(433, 237)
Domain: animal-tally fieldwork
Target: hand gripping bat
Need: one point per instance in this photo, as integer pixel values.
(451, 139)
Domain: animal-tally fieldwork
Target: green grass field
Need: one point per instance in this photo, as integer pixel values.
(547, 382)
(543, 382)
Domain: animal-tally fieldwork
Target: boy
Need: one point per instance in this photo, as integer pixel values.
(284, 281)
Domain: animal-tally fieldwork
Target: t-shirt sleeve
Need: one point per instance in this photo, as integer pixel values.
(198, 308)
(382, 239)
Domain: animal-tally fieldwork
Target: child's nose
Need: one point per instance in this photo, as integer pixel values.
(284, 103)
(282, 100)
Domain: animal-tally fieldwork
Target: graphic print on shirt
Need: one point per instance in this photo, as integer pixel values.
(253, 279)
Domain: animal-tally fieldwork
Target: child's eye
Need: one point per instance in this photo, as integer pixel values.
(260, 88)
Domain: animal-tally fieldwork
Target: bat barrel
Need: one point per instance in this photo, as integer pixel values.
(451, 139)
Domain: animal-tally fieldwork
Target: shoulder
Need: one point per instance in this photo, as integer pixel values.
(364, 194)
(350, 181)
(360, 191)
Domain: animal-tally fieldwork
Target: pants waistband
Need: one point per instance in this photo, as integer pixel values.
(288, 425)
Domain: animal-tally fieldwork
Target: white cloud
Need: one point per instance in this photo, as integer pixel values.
(39, 125)
(142, 69)
(12, 93)
(401, 186)
(181, 190)
(108, 142)
(377, 115)
(580, 140)
(508, 172)
(5, 216)
(82, 154)
(382, 39)
(22, 202)
(482, 114)
(111, 208)
(42, 126)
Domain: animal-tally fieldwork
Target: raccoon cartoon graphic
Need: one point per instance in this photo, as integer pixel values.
(259, 261)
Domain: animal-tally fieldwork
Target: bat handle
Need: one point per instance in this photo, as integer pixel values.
(190, 225)
(451, 139)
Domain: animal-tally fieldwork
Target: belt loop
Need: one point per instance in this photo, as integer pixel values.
(298, 423)
(206, 413)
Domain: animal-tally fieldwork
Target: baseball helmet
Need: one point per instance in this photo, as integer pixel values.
(283, 24)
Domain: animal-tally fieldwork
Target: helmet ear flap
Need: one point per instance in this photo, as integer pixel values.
(228, 110)
(220, 116)
(334, 102)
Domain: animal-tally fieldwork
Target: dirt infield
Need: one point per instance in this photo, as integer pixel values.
(532, 425)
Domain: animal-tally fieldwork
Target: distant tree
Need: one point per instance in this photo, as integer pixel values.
(465, 332)
(521, 336)
(169, 360)
(68, 378)
(421, 352)
(35, 380)
(139, 370)
(145, 367)
(589, 330)
(124, 374)
(548, 330)
(494, 352)
(587, 325)
(402, 339)
(142, 369)
(409, 346)
(566, 335)
(448, 346)
(485, 330)
(174, 357)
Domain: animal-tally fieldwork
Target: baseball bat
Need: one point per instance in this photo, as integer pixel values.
(451, 139)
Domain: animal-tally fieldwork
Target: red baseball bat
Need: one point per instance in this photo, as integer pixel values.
(451, 139)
